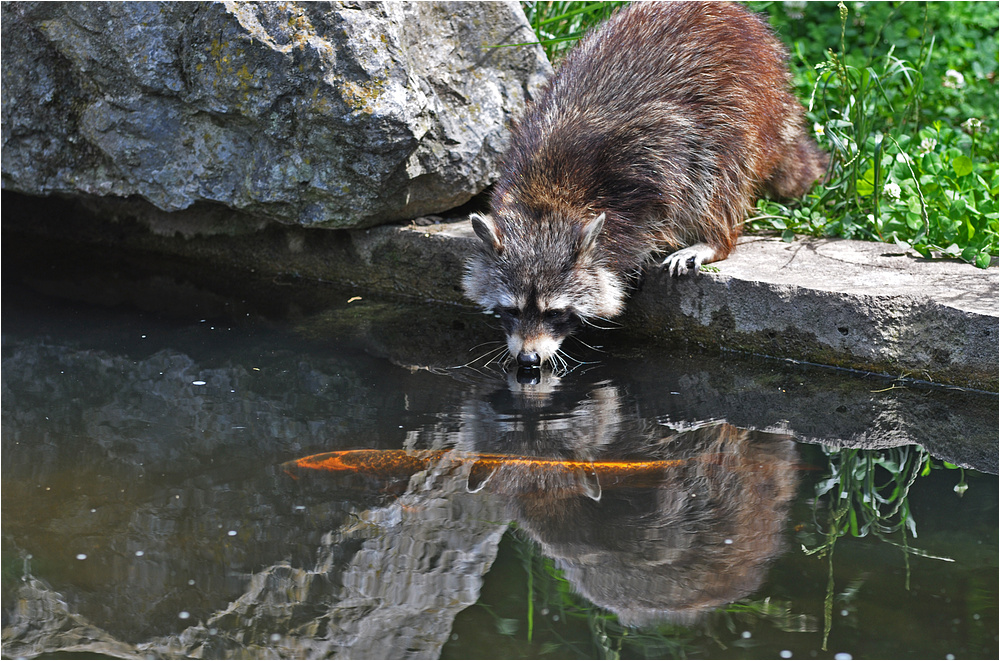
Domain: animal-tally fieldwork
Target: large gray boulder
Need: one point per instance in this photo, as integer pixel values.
(331, 114)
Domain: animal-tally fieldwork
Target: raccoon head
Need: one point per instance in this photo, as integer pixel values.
(543, 277)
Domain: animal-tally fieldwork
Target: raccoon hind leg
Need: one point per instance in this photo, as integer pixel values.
(803, 164)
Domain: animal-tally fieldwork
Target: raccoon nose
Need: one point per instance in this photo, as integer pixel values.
(528, 359)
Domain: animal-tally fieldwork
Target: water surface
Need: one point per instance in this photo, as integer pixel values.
(150, 410)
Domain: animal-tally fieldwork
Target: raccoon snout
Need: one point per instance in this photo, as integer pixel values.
(528, 359)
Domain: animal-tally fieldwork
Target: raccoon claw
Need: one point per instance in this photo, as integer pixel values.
(688, 260)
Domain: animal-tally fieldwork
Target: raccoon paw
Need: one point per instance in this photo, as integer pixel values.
(688, 260)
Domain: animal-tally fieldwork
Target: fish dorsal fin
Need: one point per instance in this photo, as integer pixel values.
(479, 475)
(591, 483)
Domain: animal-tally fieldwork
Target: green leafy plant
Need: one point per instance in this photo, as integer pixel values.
(905, 167)
(559, 25)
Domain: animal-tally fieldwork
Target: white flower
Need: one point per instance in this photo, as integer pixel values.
(819, 129)
(953, 79)
(793, 9)
(972, 124)
(892, 190)
(926, 145)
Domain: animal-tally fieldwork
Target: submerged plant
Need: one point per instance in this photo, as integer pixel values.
(553, 619)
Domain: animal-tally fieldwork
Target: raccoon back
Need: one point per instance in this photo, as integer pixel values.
(669, 119)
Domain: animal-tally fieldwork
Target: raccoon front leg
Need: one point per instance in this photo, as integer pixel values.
(690, 259)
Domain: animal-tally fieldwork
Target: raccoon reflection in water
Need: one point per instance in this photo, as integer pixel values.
(656, 134)
(691, 526)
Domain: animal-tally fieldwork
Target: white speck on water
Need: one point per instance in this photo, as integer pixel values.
(184, 615)
(729, 541)
(843, 656)
(143, 336)
(197, 383)
(213, 631)
(93, 511)
(975, 616)
(844, 613)
(81, 556)
(232, 533)
(785, 654)
(299, 508)
(745, 634)
(190, 581)
(949, 656)
(275, 637)
(139, 554)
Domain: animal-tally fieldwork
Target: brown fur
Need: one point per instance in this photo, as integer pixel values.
(658, 132)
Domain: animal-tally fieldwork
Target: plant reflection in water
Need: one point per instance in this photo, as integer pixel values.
(860, 499)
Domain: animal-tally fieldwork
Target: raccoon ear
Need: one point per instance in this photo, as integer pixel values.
(589, 234)
(486, 230)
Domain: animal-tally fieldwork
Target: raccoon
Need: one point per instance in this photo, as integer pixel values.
(656, 134)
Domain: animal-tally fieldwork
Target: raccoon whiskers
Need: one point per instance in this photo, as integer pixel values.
(589, 346)
(587, 322)
(494, 354)
(560, 361)
(483, 344)
(559, 365)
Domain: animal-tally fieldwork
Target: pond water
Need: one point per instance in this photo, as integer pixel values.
(651, 503)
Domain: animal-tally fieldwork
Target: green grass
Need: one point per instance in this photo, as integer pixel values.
(904, 98)
(559, 25)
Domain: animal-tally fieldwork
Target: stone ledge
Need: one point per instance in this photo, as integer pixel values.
(849, 304)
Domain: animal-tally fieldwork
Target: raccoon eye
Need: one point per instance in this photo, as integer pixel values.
(553, 315)
(510, 312)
